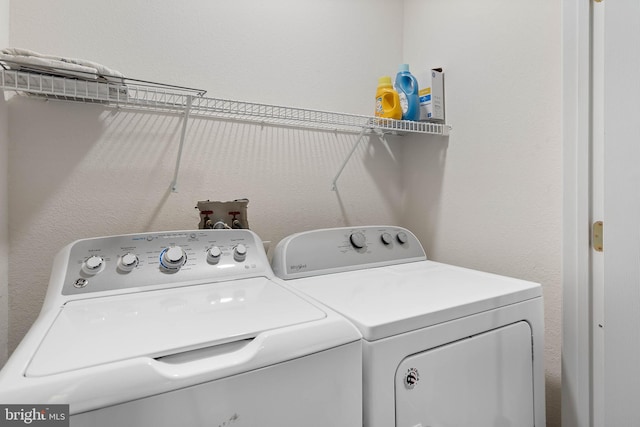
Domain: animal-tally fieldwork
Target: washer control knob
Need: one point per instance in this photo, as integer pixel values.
(402, 237)
(173, 258)
(93, 265)
(358, 240)
(240, 252)
(386, 238)
(80, 283)
(213, 255)
(128, 262)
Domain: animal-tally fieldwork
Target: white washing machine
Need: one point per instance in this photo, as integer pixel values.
(442, 345)
(184, 329)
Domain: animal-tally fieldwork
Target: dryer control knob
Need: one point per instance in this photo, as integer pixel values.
(240, 252)
(213, 255)
(402, 237)
(358, 240)
(93, 265)
(173, 258)
(386, 238)
(128, 262)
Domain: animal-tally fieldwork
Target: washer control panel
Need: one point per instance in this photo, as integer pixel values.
(162, 259)
(334, 250)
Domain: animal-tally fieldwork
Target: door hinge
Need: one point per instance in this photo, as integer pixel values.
(596, 236)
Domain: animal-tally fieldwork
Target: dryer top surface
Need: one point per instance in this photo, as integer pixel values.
(391, 300)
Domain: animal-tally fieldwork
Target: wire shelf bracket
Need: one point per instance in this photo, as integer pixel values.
(183, 133)
(334, 186)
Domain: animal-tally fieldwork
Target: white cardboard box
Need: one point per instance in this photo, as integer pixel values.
(431, 94)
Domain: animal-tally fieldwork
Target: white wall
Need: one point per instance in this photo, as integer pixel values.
(83, 170)
(490, 196)
(4, 200)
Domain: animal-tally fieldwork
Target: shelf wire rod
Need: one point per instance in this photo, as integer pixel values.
(334, 186)
(382, 137)
(183, 133)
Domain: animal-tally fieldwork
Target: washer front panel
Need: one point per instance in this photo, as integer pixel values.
(322, 389)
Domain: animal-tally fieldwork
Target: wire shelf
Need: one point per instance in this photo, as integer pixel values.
(301, 117)
(139, 94)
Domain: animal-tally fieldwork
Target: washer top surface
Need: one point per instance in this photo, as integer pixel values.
(104, 330)
(151, 295)
(380, 283)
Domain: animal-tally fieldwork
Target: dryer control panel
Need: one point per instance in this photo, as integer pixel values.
(334, 250)
(167, 259)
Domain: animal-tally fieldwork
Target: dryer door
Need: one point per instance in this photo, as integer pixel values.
(483, 381)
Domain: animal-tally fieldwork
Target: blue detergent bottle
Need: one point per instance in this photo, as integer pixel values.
(407, 87)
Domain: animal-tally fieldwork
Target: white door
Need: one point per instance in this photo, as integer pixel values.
(617, 337)
(601, 290)
(444, 387)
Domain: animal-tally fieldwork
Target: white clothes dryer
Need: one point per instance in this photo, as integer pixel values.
(442, 345)
(184, 328)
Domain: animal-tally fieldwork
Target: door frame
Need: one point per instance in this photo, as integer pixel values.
(576, 275)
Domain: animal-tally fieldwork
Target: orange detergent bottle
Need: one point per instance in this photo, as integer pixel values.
(387, 100)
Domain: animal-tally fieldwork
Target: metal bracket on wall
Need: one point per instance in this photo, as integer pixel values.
(383, 140)
(353, 150)
(183, 133)
(365, 131)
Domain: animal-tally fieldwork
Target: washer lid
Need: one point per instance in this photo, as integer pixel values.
(391, 300)
(96, 331)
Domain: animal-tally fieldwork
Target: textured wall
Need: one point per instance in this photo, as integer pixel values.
(4, 219)
(82, 170)
(490, 197)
